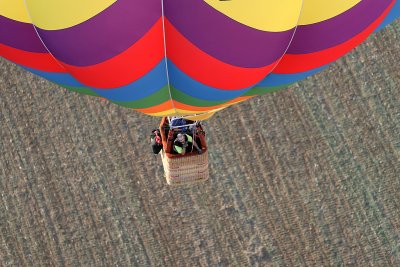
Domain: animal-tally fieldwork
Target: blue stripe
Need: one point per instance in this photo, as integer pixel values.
(149, 84)
(273, 80)
(141, 88)
(193, 88)
(61, 78)
(392, 16)
(152, 82)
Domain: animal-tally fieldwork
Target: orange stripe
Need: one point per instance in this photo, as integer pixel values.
(195, 108)
(167, 106)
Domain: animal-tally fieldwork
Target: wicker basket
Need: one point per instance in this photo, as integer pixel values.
(184, 170)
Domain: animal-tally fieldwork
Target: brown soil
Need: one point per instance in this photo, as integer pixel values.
(307, 176)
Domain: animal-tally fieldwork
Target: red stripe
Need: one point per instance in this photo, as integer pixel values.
(38, 61)
(126, 67)
(293, 63)
(207, 69)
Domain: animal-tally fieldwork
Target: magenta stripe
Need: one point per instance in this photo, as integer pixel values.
(223, 38)
(105, 35)
(20, 35)
(329, 33)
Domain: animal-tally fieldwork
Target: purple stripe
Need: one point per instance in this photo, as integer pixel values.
(224, 38)
(329, 33)
(20, 35)
(105, 35)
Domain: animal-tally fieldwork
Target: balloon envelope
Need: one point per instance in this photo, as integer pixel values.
(182, 57)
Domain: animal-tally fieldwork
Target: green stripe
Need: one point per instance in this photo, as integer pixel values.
(152, 100)
(163, 95)
(189, 100)
(263, 90)
(80, 90)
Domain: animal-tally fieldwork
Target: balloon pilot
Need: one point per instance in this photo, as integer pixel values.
(185, 142)
(182, 145)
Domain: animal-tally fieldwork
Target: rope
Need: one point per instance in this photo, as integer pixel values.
(165, 57)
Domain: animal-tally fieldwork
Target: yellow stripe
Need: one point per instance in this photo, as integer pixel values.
(57, 14)
(15, 10)
(315, 11)
(196, 117)
(268, 15)
(181, 112)
(201, 117)
(265, 15)
(170, 112)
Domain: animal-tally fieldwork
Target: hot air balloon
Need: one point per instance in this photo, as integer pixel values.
(187, 58)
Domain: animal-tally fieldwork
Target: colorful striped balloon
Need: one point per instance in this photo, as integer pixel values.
(183, 57)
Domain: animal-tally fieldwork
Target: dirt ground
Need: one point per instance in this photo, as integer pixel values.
(308, 176)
